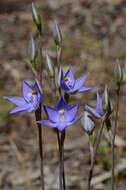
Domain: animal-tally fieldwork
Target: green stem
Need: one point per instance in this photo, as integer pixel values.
(94, 156)
(114, 135)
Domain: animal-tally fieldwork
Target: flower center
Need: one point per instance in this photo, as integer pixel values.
(61, 112)
(32, 95)
(66, 79)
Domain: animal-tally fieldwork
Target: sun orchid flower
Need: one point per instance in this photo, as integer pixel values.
(30, 101)
(70, 85)
(98, 110)
(61, 116)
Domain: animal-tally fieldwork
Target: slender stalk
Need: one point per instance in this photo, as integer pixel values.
(61, 138)
(114, 135)
(38, 115)
(63, 168)
(94, 156)
(60, 169)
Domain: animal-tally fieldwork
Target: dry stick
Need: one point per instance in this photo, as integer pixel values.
(39, 117)
(95, 154)
(113, 139)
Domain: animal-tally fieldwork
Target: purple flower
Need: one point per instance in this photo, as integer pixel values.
(32, 96)
(61, 116)
(98, 110)
(69, 84)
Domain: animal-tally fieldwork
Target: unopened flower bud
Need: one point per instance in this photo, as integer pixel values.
(118, 74)
(88, 123)
(57, 35)
(32, 50)
(106, 102)
(50, 66)
(36, 18)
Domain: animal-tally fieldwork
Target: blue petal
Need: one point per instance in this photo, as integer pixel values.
(38, 88)
(19, 101)
(20, 109)
(84, 89)
(61, 126)
(47, 123)
(92, 111)
(71, 113)
(64, 86)
(73, 121)
(26, 90)
(61, 104)
(52, 114)
(99, 104)
(79, 83)
(70, 75)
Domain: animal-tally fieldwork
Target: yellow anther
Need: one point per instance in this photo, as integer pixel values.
(61, 111)
(32, 93)
(66, 79)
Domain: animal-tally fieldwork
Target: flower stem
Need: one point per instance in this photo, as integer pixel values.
(114, 135)
(38, 115)
(61, 138)
(63, 168)
(94, 156)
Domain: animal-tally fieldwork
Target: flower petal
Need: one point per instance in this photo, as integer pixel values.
(61, 126)
(70, 75)
(19, 101)
(99, 104)
(38, 88)
(71, 113)
(47, 123)
(73, 121)
(20, 109)
(26, 90)
(84, 89)
(92, 111)
(79, 83)
(52, 114)
(61, 104)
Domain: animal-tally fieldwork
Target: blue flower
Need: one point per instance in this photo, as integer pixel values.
(69, 84)
(98, 110)
(61, 116)
(32, 96)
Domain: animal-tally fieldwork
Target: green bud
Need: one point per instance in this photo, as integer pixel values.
(50, 66)
(118, 74)
(36, 18)
(106, 102)
(32, 50)
(57, 35)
